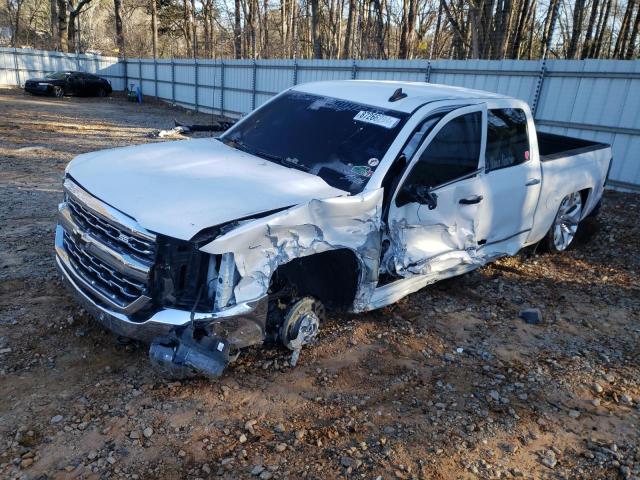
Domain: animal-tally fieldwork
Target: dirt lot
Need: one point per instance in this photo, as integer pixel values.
(448, 383)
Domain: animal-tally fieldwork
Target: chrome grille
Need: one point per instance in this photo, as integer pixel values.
(102, 277)
(108, 253)
(111, 234)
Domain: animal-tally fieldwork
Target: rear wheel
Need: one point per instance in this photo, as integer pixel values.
(58, 92)
(565, 225)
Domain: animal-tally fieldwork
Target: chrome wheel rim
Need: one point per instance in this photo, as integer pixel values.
(566, 222)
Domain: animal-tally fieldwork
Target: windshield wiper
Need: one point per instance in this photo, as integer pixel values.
(285, 162)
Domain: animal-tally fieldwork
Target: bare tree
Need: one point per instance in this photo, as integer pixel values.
(315, 29)
(117, 8)
(53, 22)
(346, 51)
(634, 37)
(407, 28)
(623, 35)
(576, 30)
(154, 28)
(237, 31)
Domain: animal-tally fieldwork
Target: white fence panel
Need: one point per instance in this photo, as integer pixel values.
(594, 99)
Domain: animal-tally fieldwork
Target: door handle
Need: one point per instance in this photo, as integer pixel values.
(532, 182)
(470, 200)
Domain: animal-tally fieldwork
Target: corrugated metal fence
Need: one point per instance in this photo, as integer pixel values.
(594, 99)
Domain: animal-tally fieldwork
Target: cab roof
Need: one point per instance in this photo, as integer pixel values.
(377, 93)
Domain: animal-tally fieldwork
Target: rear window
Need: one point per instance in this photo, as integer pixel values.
(507, 138)
(338, 140)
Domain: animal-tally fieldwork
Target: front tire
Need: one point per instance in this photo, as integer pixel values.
(102, 92)
(58, 92)
(565, 224)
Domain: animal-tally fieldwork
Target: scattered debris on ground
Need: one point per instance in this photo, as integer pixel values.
(448, 383)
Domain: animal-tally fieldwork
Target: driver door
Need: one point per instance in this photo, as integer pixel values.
(433, 216)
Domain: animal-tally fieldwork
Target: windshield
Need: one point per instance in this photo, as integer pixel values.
(340, 141)
(57, 75)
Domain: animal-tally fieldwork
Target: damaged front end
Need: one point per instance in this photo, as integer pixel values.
(153, 288)
(199, 302)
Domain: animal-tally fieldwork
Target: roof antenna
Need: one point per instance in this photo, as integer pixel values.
(397, 95)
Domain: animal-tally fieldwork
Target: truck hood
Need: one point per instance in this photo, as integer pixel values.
(179, 188)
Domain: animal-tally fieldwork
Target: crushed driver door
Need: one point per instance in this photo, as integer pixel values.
(433, 215)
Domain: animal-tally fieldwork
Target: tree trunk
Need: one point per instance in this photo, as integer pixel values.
(602, 26)
(519, 30)
(379, 32)
(634, 37)
(576, 31)
(457, 43)
(15, 35)
(485, 28)
(53, 20)
(62, 25)
(434, 43)
(154, 28)
(474, 17)
(71, 32)
(623, 35)
(504, 17)
(237, 31)
(265, 26)
(194, 28)
(586, 46)
(346, 51)
(315, 29)
(532, 24)
(408, 27)
(549, 27)
(117, 7)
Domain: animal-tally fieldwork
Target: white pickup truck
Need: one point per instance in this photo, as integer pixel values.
(332, 195)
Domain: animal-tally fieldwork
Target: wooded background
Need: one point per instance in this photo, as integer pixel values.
(330, 29)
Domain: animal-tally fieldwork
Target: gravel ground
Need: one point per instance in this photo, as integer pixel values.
(448, 383)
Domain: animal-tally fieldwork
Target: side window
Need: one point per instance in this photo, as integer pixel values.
(453, 153)
(420, 133)
(507, 139)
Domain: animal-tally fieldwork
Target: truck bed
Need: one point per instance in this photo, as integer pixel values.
(552, 146)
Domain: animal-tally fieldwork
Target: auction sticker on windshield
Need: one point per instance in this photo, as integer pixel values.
(374, 118)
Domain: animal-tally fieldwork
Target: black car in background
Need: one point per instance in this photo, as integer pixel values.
(59, 84)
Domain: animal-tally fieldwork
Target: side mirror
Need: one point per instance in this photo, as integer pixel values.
(422, 195)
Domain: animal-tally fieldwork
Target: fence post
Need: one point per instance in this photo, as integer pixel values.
(427, 75)
(253, 86)
(140, 74)
(295, 71)
(538, 91)
(173, 81)
(195, 83)
(155, 77)
(354, 70)
(222, 88)
(15, 63)
(126, 74)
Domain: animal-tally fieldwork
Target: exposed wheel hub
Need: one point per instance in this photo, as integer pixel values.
(301, 324)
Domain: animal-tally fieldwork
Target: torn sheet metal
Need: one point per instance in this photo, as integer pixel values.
(260, 246)
(425, 241)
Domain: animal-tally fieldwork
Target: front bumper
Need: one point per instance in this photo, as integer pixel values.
(240, 325)
(37, 89)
